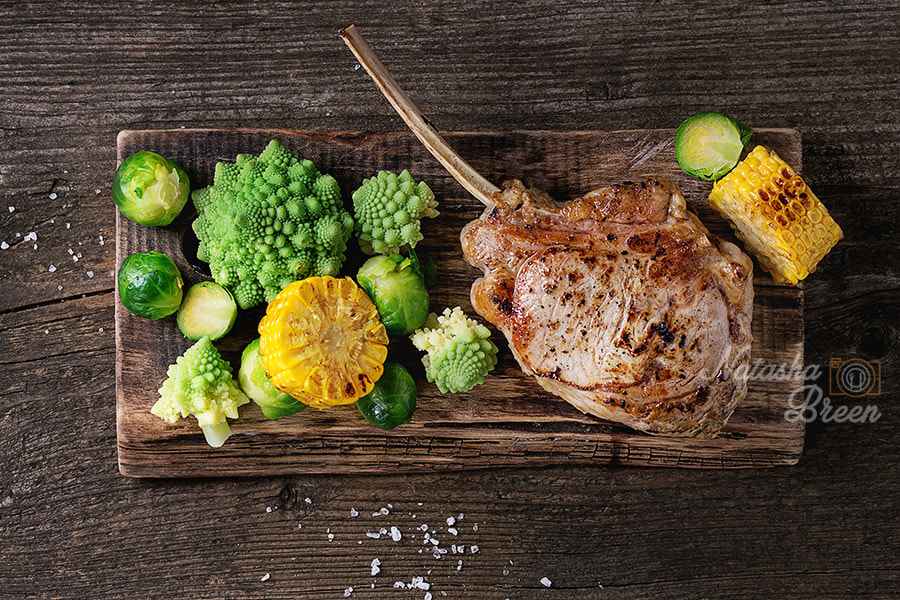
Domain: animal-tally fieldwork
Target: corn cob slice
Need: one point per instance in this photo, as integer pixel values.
(322, 342)
(776, 215)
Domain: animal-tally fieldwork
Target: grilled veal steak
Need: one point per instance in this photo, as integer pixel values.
(620, 302)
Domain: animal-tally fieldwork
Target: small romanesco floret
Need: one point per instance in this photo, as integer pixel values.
(387, 209)
(269, 220)
(200, 384)
(460, 352)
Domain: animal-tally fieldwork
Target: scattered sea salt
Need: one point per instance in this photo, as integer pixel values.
(427, 596)
(348, 592)
(376, 567)
(30, 237)
(354, 512)
(330, 537)
(46, 331)
(473, 549)
(53, 196)
(452, 530)
(505, 572)
(75, 258)
(100, 330)
(52, 268)
(268, 509)
(395, 534)
(59, 287)
(3, 245)
(68, 226)
(299, 525)
(423, 527)
(90, 274)
(265, 577)
(35, 246)
(373, 534)
(382, 511)
(308, 500)
(399, 584)
(419, 583)
(450, 521)
(97, 191)
(101, 240)
(12, 209)
(545, 582)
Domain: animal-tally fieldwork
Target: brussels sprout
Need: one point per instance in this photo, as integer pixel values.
(150, 285)
(150, 189)
(392, 401)
(259, 388)
(208, 310)
(397, 288)
(709, 145)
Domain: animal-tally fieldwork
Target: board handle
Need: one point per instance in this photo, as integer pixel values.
(462, 171)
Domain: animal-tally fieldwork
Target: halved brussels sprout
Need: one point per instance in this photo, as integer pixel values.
(150, 285)
(259, 388)
(392, 401)
(396, 286)
(709, 145)
(150, 189)
(208, 310)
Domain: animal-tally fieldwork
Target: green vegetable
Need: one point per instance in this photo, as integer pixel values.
(150, 285)
(397, 288)
(200, 384)
(392, 401)
(269, 220)
(208, 310)
(388, 208)
(460, 352)
(709, 145)
(150, 189)
(258, 387)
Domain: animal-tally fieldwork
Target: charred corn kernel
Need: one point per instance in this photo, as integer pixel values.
(777, 216)
(321, 341)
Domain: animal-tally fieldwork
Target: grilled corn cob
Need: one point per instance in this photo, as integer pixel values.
(777, 216)
(321, 342)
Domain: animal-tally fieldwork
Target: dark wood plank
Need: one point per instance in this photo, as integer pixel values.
(507, 421)
(73, 74)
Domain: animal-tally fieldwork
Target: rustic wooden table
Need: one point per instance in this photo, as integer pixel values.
(72, 76)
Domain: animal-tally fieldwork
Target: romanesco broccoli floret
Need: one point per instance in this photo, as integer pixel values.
(200, 384)
(460, 352)
(388, 208)
(269, 220)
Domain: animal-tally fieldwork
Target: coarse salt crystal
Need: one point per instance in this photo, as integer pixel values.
(75, 258)
(399, 584)
(268, 509)
(59, 287)
(383, 531)
(373, 534)
(12, 209)
(299, 525)
(101, 240)
(381, 511)
(3, 245)
(423, 527)
(90, 274)
(53, 196)
(419, 583)
(450, 521)
(100, 330)
(354, 512)
(80, 255)
(97, 191)
(376, 567)
(395, 534)
(30, 237)
(308, 500)
(475, 527)
(505, 572)
(46, 331)
(265, 577)
(35, 246)
(68, 226)
(545, 582)
(452, 530)
(348, 592)
(427, 596)
(52, 268)
(330, 537)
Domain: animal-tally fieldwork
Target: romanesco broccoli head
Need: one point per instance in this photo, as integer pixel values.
(460, 352)
(200, 384)
(269, 220)
(388, 209)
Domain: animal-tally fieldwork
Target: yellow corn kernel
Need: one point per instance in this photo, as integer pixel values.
(776, 215)
(322, 342)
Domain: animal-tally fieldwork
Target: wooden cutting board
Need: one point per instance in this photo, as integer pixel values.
(508, 421)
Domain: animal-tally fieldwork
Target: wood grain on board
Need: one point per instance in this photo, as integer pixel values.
(509, 420)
